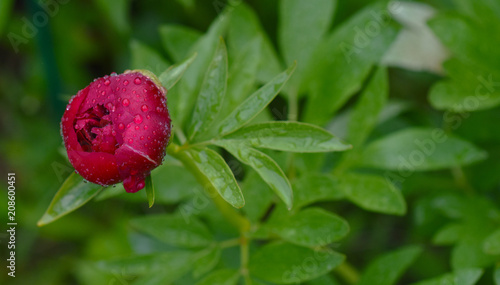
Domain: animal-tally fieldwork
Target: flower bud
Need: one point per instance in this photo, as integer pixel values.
(117, 128)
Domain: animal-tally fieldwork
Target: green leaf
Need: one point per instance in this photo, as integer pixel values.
(326, 279)
(178, 40)
(419, 149)
(492, 243)
(265, 166)
(212, 171)
(373, 193)
(254, 104)
(148, 264)
(468, 89)
(258, 196)
(144, 57)
(211, 95)
(245, 26)
(244, 62)
(169, 77)
(5, 10)
(449, 234)
(206, 260)
(174, 230)
(468, 40)
(387, 269)
(150, 191)
(190, 86)
(473, 72)
(312, 227)
(288, 136)
(316, 187)
(74, 193)
(285, 263)
(117, 13)
(221, 277)
(301, 26)
(344, 59)
(468, 276)
(366, 112)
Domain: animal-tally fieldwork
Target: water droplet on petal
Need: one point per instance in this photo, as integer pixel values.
(121, 126)
(126, 102)
(137, 128)
(140, 185)
(103, 93)
(142, 138)
(137, 81)
(130, 140)
(125, 82)
(107, 82)
(145, 127)
(138, 119)
(113, 74)
(144, 108)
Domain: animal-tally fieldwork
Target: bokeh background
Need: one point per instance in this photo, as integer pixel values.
(53, 57)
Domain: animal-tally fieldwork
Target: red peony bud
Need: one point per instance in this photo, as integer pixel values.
(117, 128)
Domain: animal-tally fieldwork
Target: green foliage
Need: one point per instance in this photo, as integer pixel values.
(297, 156)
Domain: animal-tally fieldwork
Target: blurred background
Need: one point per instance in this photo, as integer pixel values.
(48, 52)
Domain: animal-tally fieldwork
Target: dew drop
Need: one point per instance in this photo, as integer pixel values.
(138, 119)
(140, 185)
(126, 102)
(145, 90)
(99, 85)
(142, 138)
(130, 140)
(145, 127)
(103, 93)
(113, 74)
(121, 126)
(137, 128)
(144, 108)
(110, 107)
(148, 117)
(107, 82)
(125, 82)
(137, 81)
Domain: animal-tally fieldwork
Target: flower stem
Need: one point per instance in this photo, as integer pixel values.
(348, 273)
(230, 243)
(244, 256)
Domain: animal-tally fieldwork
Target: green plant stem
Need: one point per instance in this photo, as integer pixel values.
(231, 215)
(461, 180)
(348, 273)
(178, 132)
(244, 256)
(230, 243)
